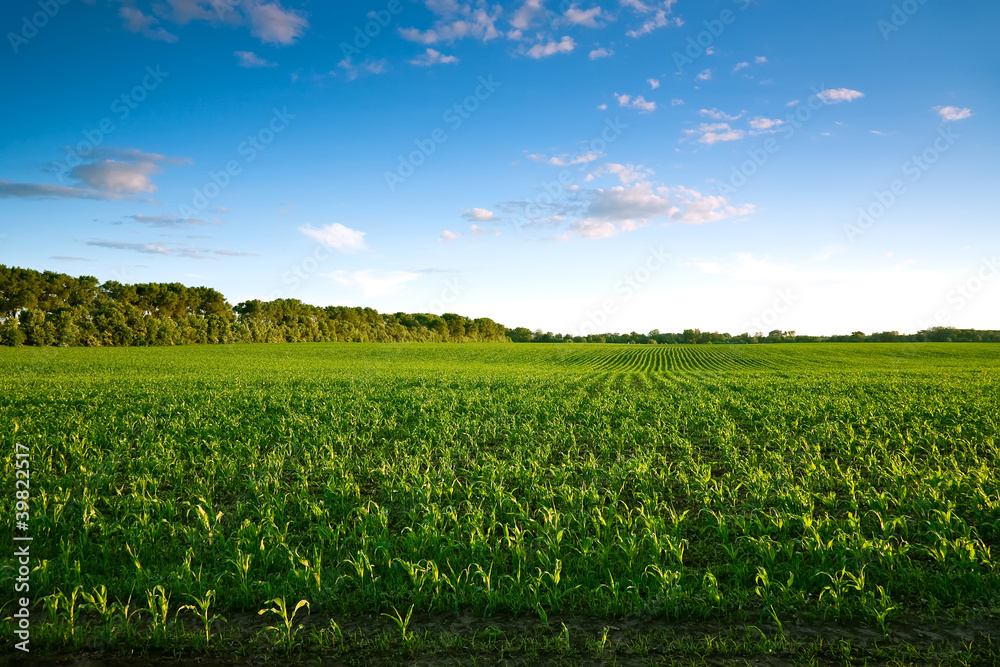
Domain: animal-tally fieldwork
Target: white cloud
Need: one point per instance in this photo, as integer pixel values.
(136, 21)
(585, 17)
(715, 114)
(528, 13)
(624, 208)
(602, 107)
(626, 173)
(704, 75)
(478, 214)
(950, 114)
(447, 236)
(638, 102)
(42, 191)
(250, 59)
(712, 133)
(653, 83)
(170, 249)
(455, 21)
(136, 155)
(760, 60)
(273, 24)
(112, 173)
(368, 65)
(167, 220)
(373, 283)
(792, 103)
(336, 236)
(660, 16)
(676, 102)
(185, 11)
(565, 45)
(268, 20)
(116, 176)
(838, 95)
(601, 53)
(432, 57)
(594, 229)
(762, 124)
(697, 208)
(566, 159)
(480, 231)
(742, 65)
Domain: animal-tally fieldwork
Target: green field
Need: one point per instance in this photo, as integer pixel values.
(538, 502)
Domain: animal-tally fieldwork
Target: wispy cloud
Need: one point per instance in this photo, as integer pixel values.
(116, 176)
(715, 114)
(565, 159)
(565, 45)
(432, 57)
(456, 21)
(590, 18)
(170, 249)
(168, 221)
(638, 102)
(249, 59)
(626, 173)
(482, 231)
(478, 214)
(658, 16)
(269, 22)
(624, 208)
(712, 133)
(600, 53)
(42, 191)
(838, 95)
(336, 236)
(373, 283)
(950, 114)
(136, 21)
(762, 125)
(273, 24)
(111, 173)
(368, 65)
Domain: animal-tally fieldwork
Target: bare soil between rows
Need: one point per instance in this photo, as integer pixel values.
(242, 634)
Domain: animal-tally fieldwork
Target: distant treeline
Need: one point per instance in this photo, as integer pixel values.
(48, 308)
(56, 309)
(698, 337)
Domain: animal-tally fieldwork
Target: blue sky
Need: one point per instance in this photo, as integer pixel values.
(610, 165)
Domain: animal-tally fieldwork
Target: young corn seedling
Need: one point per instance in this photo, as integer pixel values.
(402, 623)
(200, 609)
(287, 631)
(158, 606)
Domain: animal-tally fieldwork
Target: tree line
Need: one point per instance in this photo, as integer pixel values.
(48, 308)
(698, 337)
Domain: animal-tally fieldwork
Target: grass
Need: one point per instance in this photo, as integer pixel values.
(180, 496)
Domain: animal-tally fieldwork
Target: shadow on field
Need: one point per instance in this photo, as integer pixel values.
(463, 639)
